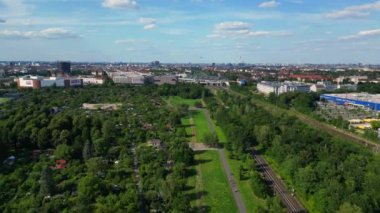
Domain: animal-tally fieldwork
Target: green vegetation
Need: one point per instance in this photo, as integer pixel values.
(328, 173)
(217, 193)
(242, 170)
(4, 100)
(176, 101)
(71, 159)
(201, 124)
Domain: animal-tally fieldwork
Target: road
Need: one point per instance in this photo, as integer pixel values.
(287, 199)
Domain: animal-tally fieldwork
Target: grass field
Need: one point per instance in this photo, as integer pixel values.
(251, 201)
(215, 193)
(176, 100)
(201, 124)
(3, 100)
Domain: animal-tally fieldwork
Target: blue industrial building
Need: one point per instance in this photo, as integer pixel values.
(354, 99)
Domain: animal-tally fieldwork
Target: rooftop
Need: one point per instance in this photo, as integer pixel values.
(375, 98)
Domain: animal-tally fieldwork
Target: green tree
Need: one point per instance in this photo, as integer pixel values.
(211, 139)
(43, 138)
(87, 150)
(63, 151)
(47, 184)
(348, 208)
(89, 188)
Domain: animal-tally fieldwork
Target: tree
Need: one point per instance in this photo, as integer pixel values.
(87, 150)
(211, 139)
(89, 188)
(47, 184)
(63, 151)
(96, 166)
(348, 208)
(43, 138)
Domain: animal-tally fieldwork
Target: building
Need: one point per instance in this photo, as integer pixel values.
(165, 79)
(92, 80)
(37, 82)
(323, 86)
(354, 79)
(64, 66)
(278, 88)
(29, 82)
(351, 87)
(308, 77)
(129, 78)
(360, 100)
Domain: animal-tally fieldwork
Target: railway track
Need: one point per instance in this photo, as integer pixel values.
(287, 198)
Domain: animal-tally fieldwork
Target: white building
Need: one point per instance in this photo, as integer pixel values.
(354, 79)
(323, 86)
(37, 82)
(267, 87)
(351, 87)
(92, 80)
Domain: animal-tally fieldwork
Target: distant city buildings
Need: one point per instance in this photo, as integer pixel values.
(64, 66)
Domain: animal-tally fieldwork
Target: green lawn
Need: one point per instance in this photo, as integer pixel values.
(215, 193)
(187, 124)
(251, 201)
(200, 123)
(3, 100)
(176, 100)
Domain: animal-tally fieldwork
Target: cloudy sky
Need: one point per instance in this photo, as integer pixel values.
(252, 31)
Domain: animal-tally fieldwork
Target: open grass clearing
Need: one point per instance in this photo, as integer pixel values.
(176, 100)
(201, 125)
(217, 195)
(3, 100)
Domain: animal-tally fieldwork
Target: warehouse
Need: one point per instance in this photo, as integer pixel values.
(278, 88)
(360, 100)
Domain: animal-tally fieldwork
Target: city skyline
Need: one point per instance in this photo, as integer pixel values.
(197, 31)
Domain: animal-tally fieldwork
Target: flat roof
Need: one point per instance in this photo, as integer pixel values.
(374, 98)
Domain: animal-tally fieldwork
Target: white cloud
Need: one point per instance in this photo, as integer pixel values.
(50, 33)
(269, 4)
(15, 8)
(358, 11)
(362, 35)
(120, 4)
(239, 29)
(149, 23)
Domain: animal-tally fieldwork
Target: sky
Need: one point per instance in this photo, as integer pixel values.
(196, 31)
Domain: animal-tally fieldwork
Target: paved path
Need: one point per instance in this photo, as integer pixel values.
(137, 177)
(231, 182)
(226, 167)
(287, 197)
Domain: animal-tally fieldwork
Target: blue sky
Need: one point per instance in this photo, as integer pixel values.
(252, 31)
